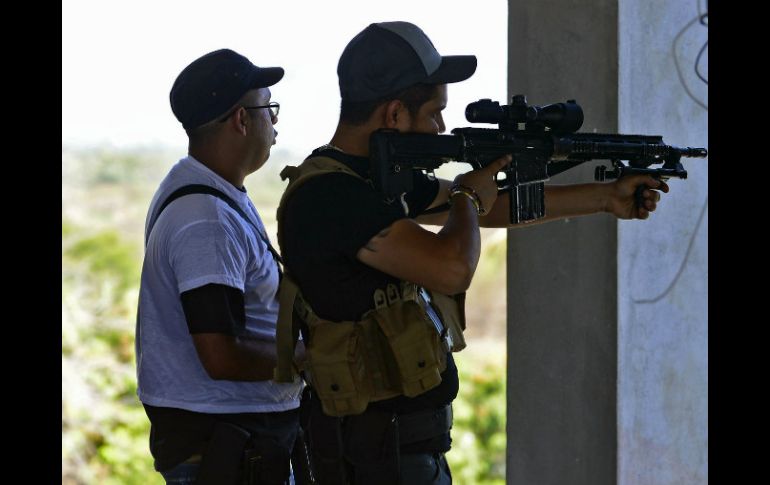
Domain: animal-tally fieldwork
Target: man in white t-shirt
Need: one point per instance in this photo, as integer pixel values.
(205, 336)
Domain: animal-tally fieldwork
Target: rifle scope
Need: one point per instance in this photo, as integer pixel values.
(559, 117)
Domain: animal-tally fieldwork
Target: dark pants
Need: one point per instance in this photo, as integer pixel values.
(416, 469)
(186, 473)
(182, 474)
(280, 426)
(423, 469)
(365, 451)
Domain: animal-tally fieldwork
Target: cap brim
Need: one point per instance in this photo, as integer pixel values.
(264, 77)
(453, 69)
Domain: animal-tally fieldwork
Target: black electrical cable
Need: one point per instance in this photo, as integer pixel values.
(679, 69)
(697, 62)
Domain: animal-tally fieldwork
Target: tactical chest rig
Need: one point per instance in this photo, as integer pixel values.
(397, 348)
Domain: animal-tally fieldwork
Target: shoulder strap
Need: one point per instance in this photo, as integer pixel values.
(311, 167)
(286, 333)
(205, 189)
(289, 295)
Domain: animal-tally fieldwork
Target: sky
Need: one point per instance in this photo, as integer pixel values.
(119, 60)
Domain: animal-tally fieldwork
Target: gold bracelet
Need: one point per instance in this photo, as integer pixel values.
(471, 196)
(472, 193)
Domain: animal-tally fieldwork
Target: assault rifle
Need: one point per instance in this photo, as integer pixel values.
(542, 141)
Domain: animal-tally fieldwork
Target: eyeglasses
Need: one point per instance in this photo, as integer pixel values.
(273, 107)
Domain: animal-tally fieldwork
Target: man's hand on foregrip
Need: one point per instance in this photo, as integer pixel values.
(635, 196)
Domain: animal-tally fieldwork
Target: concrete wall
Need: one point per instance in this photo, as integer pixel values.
(607, 332)
(662, 264)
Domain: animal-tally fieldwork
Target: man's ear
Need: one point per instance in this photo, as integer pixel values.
(394, 113)
(240, 120)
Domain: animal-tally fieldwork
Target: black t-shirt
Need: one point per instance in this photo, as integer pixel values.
(325, 222)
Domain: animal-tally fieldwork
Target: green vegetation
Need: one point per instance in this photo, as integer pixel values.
(478, 435)
(104, 429)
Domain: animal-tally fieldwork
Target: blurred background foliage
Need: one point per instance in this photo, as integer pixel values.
(105, 433)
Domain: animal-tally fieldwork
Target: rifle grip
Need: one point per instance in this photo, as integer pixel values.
(639, 197)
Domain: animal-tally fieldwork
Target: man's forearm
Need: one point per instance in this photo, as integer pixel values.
(257, 359)
(253, 360)
(462, 228)
(561, 201)
(235, 359)
(575, 200)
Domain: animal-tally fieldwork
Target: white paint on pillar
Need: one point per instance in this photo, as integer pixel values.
(662, 263)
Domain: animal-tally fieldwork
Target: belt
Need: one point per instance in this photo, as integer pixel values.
(423, 425)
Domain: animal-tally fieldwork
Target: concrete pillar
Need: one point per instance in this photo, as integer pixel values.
(662, 266)
(562, 308)
(606, 319)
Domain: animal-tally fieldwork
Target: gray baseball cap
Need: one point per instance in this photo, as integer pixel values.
(387, 57)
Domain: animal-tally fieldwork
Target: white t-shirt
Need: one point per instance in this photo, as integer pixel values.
(197, 240)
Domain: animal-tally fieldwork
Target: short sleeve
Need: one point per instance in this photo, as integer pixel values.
(214, 308)
(341, 212)
(207, 252)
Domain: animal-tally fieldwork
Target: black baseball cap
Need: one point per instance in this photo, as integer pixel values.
(212, 84)
(387, 57)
